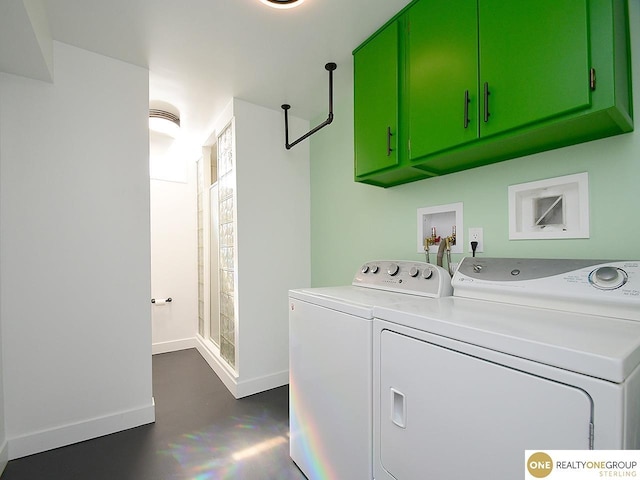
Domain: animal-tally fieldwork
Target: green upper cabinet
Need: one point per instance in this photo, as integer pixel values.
(442, 75)
(376, 102)
(377, 75)
(489, 80)
(534, 61)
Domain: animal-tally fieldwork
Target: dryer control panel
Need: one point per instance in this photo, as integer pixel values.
(416, 278)
(599, 287)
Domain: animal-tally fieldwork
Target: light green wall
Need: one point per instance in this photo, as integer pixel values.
(353, 223)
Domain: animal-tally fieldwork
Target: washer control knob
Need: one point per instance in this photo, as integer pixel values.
(427, 273)
(414, 271)
(393, 269)
(374, 268)
(365, 268)
(477, 268)
(608, 278)
(606, 274)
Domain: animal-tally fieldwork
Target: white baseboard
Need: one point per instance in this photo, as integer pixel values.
(4, 456)
(173, 345)
(78, 432)
(262, 384)
(217, 365)
(237, 386)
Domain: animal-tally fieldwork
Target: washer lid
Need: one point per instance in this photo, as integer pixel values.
(351, 299)
(343, 299)
(592, 345)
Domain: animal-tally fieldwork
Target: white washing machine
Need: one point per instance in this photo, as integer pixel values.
(527, 355)
(331, 365)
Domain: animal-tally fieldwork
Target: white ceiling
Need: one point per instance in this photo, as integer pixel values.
(200, 53)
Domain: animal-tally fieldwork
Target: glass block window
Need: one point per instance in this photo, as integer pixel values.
(200, 190)
(226, 191)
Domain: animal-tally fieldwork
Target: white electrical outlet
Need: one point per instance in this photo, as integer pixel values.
(476, 235)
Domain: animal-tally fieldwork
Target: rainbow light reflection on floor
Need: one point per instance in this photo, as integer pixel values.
(231, 450)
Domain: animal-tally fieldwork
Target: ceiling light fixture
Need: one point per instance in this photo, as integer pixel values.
(283, 3)
(164, 122)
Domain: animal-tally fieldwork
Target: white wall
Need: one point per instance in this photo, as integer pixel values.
(26, 46)
(74, 252)
(4, 450)
(174, 263)
(273, 238)
(4, 446)
(273, 243)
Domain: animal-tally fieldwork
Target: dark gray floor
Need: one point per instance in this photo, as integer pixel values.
(201, 433)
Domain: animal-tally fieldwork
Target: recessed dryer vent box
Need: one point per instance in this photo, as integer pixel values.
(442, 218)
(551, 208)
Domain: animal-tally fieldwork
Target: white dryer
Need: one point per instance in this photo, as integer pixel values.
(331, 365)
(527, 355)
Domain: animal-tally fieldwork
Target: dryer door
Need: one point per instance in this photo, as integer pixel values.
(448, 415)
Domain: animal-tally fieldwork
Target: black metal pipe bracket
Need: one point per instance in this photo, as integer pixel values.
(330, 67)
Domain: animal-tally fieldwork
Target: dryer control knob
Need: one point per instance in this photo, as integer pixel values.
(427, 274)
(365, 268)
(414, 271)
(393, 269)
(608, 278)
(374, 268)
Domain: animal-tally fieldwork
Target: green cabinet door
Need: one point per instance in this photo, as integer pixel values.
(534, 59)
(442, 75)
(376, 102)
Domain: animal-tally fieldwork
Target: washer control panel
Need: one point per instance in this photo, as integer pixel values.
(608, 278)
(416, 278)
(600, 287)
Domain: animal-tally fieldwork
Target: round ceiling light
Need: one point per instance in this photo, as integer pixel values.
(164, 122)
(282, 3)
